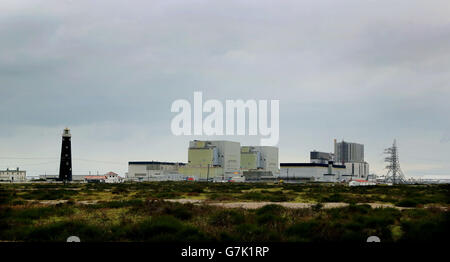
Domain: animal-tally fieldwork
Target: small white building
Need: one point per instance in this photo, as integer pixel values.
(112, 177)
(14, 175)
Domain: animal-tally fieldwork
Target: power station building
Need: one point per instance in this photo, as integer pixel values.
(320, 169)
(352, 156)
(260, 158)
(213, 160)
(321, 157)
(347, 163)
(153, 171)
(347, 152)
(259, 162)
(317, 172)
(219, 160)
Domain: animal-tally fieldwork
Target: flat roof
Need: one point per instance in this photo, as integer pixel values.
(154, 163)
(308, 165)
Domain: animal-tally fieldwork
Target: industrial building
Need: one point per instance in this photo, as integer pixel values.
(219, 160)
(213, 160)
(348, 152)
(260, 158)
(356, 170)
(321, 157)
(152, 170)
(14, 175)
(345, 164)
(311, 172)
(259, 162)
(352, 156)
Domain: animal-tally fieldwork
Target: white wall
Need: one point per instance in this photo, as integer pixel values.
(231, 152)
(140, 170)
(361, 170)
(316, 172)
(270, 154)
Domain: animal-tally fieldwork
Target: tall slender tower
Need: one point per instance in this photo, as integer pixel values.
(65, 167)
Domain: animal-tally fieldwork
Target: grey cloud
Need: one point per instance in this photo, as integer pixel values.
(362, 70)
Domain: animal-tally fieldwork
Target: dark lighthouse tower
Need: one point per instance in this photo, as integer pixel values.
(65, 166)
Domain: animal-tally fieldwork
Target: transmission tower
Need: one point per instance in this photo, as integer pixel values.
(394, 174)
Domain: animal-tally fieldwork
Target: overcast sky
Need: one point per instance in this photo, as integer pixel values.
(363, 71)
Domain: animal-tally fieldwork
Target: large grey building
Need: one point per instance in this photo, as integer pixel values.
(346, 152)
(352, 156)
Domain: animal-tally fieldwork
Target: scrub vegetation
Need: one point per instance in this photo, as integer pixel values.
(402, 195)
(138, 212)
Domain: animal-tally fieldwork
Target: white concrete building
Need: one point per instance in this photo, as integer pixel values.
(355, 170)
(311, 171)
(211, 159)
(264, 158)
(151, 170)
(14, 175)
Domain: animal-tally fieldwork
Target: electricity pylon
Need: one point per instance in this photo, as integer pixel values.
(394, 174)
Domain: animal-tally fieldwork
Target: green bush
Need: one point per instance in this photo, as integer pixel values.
(34, 213)
(427, 229)
(336, 197)
(407, 203)
(164, 229)
(303, 231)
(60, 231)
(118, 204)
(180, 212)
(317, 207)
(270, 209)
(226, 217)
(249, 232)
(361, 209)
